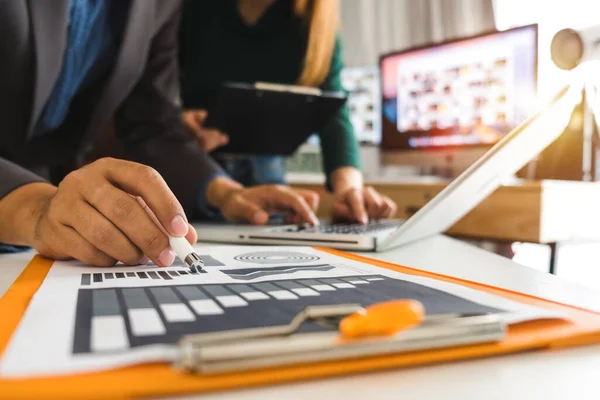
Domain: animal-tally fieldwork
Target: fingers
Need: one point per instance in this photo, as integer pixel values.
(106, 223)
(355, 200)
(254, 205)
(373, 202)
(82, 250)
(223, 138)
(311, 197)
(194, 119)
(191, 121)
(283, 198)
(240, 209)
(390, 207)
(362, 205)
(200, 116)
(211, 139)
(208, 139)
(106, 237)
(129, 217)
(293, 219)
(341, 212)
(145, 182)
(192, 235)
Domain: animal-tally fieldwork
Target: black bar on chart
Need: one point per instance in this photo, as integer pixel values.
(85, 279)
(131, 274)
(172, 307)
(191, 293)
(108, 331)
(164, 275)
(217, 290)
(143, 317)
(120, 275)
(211, 262)
(240, 289)
(164, 295)
(97, 278)
(153, 275)
(109, 275)
(142, 275)
(105, 303)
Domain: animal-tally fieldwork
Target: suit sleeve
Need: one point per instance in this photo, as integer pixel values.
(13, 177)
(149, 124)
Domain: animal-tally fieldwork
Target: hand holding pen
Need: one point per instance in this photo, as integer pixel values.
(180, 246)
(92, 216)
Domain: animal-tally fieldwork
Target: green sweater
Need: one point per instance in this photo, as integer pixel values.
(217, 46)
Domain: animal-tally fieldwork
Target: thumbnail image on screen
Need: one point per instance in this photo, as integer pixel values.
(362, 86)
(467, 92)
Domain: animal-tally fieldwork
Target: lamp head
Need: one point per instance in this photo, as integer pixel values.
(570, 48)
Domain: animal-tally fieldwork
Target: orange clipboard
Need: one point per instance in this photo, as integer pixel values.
(160, 379)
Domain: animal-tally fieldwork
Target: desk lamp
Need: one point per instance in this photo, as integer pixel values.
(579, 50)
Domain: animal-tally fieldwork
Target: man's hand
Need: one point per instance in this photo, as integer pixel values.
(94, 217)
(256, 204)
(355, 202)
(208, 139)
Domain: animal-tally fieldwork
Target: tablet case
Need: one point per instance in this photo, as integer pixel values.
(260, 121)
(162, 380)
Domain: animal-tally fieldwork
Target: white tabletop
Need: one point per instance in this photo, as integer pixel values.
(549, 375)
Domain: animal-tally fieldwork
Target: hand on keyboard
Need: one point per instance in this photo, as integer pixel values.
(361, 205)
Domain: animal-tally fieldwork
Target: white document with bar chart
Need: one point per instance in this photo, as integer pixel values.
(86, 319)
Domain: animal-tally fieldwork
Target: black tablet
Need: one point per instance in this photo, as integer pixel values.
(270, 119)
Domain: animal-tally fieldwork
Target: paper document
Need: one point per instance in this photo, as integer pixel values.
(85, 319)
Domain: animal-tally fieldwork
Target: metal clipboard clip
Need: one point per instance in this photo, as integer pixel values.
(288, 88)
(353, 331)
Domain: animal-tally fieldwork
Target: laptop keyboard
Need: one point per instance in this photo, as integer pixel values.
(343, 228)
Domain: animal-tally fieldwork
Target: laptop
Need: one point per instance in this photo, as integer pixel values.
(464, 193)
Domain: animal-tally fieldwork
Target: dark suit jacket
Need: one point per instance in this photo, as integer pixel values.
(139, 93)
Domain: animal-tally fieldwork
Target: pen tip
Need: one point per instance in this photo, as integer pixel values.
(195, 263)
(197, 266)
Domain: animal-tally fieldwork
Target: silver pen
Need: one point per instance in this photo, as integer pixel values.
(180, 246)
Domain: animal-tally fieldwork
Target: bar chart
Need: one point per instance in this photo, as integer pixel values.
(89, 279)
(117, 319)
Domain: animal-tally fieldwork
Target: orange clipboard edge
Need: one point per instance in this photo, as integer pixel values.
(161, 379)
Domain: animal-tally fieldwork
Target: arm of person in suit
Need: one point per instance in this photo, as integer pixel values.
(92, 215)
(149, 123)
(341, 159)
(13, 177)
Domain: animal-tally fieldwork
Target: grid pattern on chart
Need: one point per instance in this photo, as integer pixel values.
(116, 319)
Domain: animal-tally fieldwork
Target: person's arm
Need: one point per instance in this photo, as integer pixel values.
(93, 216)
(149, 123)
(339, 146)
(13, 178)
(341, 159)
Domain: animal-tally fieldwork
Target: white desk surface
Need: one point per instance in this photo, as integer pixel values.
(565, 374)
